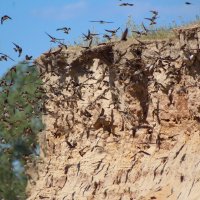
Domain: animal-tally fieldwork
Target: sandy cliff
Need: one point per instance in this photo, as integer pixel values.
(122, 122)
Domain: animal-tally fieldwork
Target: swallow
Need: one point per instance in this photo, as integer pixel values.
(57, 51)
(188, 3)
(112, 31)
(152, 20)
(145, 29)
(102, 22)
(124, 35)
(138, 32)
(126, 4)
(27, 57)
(5, 57)
(5, 17)
(64, 29)
(18, 49)
(48, 54)
(89, 35)
(154, 12)
(108, 37)
(61, 44)
(53, 39)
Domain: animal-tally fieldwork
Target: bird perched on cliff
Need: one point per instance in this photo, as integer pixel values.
(124, 35)
(5, 17)
(53, 39)
(64, 29)
(18, 49)
(126, 4)
(102, 22)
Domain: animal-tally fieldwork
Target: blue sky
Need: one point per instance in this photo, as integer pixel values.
(31, 19)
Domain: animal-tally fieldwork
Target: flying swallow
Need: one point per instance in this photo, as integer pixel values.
(188, 3)
(108, 37)
(126, 4)
(53, 39)
(152, 20)
(124, 35)
(145, 29)
(64, 29)
(89, 35)
(113, 31)
(5, 57)
(154, 12)
(27, 57)
(138, 32)
(5, 17)
(102, 22)
(18, 49)
(61, 44)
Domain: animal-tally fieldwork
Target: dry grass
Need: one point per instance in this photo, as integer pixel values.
(160, 33)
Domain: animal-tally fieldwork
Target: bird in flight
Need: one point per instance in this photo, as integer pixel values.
(89, 35)
(152, 20)
(112, 31)
(108, 37)
(64, 29)
(102, 22)
(188, 3)
(61, 44)
(53, 39)
(5, 57)
(126, 4)
(18, 49)
(27, 57)
(145, 29)
(5, 17)
(124, 35)
(154, 12)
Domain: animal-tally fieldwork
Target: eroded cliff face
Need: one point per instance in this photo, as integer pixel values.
(122, 122)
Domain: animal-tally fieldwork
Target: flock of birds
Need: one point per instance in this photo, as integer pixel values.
(87, 37)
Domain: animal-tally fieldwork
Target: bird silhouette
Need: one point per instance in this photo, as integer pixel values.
(61, 44)
(145, 29)
(113, 31)
(126, 4)
(124, 35)
(18, 49)
(5, 57)
(152, 20)
(102, 22)
(53, 39)
(188, 3)
(27, 57)
(5, 17)
(108, 37)
(89, 35)
(154, 12)
(64, 29)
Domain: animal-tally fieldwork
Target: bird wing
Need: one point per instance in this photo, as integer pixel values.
(124, 35)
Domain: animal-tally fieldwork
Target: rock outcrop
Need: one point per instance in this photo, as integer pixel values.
(122, 121)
